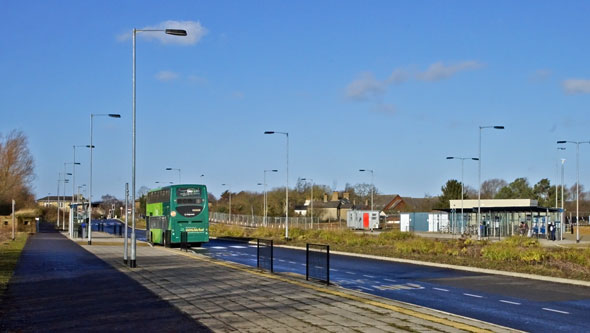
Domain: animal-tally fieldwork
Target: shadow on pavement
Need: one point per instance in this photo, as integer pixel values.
(57, 285)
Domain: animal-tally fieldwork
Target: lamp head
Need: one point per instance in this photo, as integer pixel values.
(499, 127)
(561, 141)
(175, 32)
(475, 158)
(450, 157)
(114, 115)
(89, 146)
(269, 132)
(168, 168)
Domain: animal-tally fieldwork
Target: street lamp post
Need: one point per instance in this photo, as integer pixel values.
(73, 174)
(58, 181)
(179, 179)
(91, 146)
(174, 32)
(462, 183)
(479, 180)
(311, 200)
(562, 204)
(577, 143)
(229, 191)
(287, 187)
(372, 186)
(556, 173)
(74, 170)
(265, 197)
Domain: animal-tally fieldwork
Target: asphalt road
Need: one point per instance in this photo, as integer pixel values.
(513, 302)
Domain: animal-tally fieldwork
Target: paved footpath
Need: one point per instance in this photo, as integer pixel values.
(228, 297)
(59, 286)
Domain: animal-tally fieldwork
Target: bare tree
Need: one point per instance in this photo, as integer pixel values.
(491, 187)
(16, 169)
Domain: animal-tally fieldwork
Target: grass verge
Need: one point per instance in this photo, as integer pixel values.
(9, 253)
(515, 254)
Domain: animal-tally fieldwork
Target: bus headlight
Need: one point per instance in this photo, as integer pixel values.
(173, 213)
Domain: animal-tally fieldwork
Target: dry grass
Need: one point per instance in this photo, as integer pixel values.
(9, 253)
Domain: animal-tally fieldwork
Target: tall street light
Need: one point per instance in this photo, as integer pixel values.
(310, 201)
(479, 180)
(179, 179)
(562, 205)
(462, 182)
(229, 191)
(577, 143)
(557, 173)
(287, 187)
(73, 174)
(372, 186)
(173, 32)
(91, 146)
(74, 169)
(58, 185)
(265, 198)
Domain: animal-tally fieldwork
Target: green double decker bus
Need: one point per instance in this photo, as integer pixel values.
(178, 211)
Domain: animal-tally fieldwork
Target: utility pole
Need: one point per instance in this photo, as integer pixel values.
(13, 222)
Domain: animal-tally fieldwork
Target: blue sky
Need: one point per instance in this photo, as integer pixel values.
(383, 85)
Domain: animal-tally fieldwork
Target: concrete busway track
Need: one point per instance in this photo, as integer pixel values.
(524, 304)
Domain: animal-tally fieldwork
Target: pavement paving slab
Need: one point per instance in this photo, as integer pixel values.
(59, 286)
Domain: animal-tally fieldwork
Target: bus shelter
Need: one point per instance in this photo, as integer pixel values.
(501, 220)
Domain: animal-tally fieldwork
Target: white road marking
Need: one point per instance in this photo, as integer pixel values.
(472, 295)
(239, 247)
(218, 247)
(351, 273)
(365, 288)
(333, 270)
(441, 289)
(292, 262)
(369, 276)
(509, 302)
(389, 280)
(553, 310)
(281, 260)
(302, 264)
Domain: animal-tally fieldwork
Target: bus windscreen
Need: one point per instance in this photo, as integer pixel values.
(188, 192)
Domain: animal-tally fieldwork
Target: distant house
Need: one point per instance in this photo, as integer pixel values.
(52, 201)
(327, 210)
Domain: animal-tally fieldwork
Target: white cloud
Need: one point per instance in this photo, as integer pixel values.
(398, 76)
(364, 87)
(194, 32)
(576, 86)
(439, 71)
(166, 76)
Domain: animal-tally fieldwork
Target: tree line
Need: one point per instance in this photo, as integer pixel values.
(542, 191)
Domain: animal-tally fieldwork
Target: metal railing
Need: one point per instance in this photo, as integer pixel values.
(317, 262)
(265, 254)
(254, 221)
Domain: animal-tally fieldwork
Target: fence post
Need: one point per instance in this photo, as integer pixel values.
(272, 256)
(328, 265)
(307, 261)
(257, 253)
